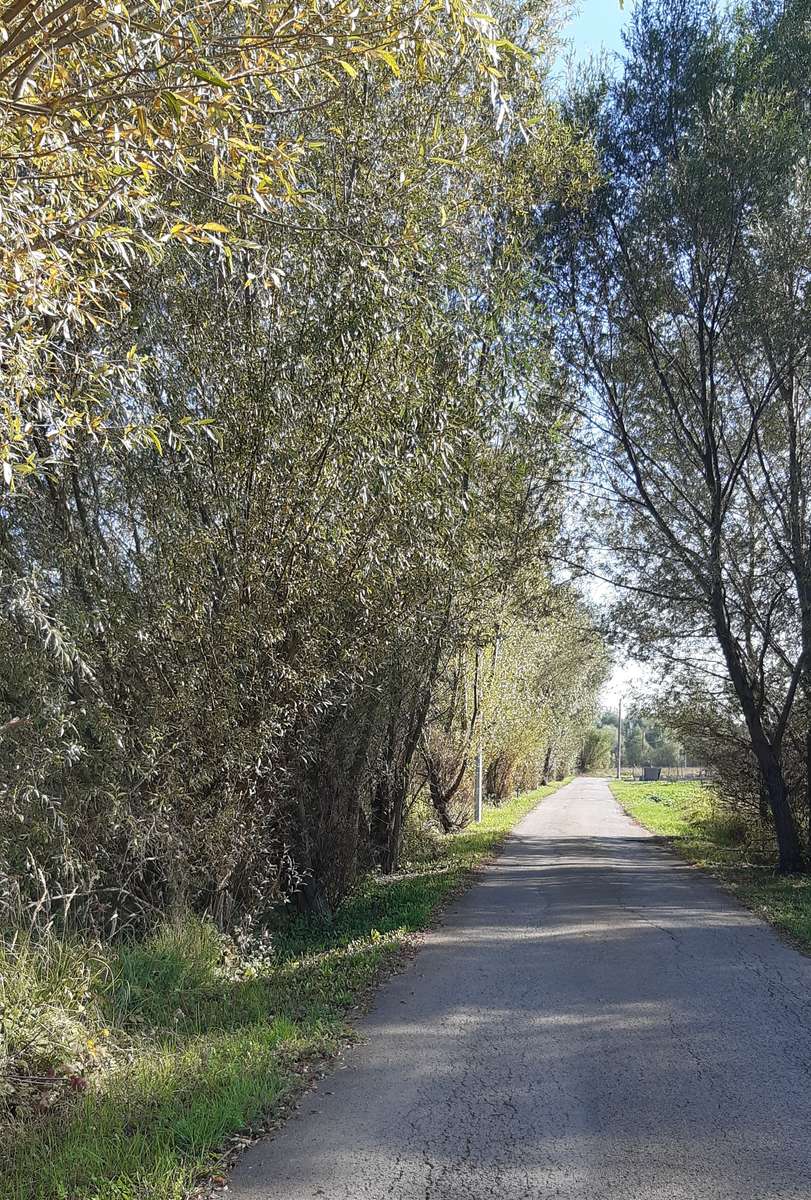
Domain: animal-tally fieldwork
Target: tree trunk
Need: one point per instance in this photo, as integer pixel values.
(763, 805)
(395, 834)
(439, 798)
(311, 898)
(547, 766)
(788, 841)
(388, 797)
(381, 813)
(808, 787)
(789, 846)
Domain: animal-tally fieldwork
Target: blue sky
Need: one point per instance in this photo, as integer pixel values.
(595, 24)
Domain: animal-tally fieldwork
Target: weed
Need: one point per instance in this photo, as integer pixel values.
(201, 1046)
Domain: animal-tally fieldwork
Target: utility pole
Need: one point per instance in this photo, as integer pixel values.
(619, 741)
(478, 777)
(477, 786)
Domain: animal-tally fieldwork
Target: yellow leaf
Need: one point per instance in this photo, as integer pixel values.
(389, 58)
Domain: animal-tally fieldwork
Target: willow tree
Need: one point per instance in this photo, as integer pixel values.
(221, 643)
(116, 122)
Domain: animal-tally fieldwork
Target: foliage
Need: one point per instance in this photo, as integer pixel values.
(541, 694)
(701, 421)
(597, 748)
(125, 131)
(207, 1036)
(645, 742)
(718, 741)
(51, 1022)
(525, 700)
(220, 648)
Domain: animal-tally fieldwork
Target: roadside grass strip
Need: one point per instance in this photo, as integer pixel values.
(163, 1053)
(710, 836)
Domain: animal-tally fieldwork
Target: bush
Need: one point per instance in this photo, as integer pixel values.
(718, 741)
(53, 1025)
(727, 828)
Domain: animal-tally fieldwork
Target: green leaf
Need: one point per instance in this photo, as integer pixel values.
(209, 75)
(153, 437)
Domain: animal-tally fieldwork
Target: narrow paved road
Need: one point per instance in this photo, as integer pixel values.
(593, 1021)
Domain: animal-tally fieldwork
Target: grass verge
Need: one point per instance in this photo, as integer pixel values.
(706, 834)
(142, 1061)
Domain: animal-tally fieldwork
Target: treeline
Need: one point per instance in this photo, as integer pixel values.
(645, 743)
(684, 309)
(283, 446)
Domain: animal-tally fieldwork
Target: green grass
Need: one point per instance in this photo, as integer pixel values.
(705, 833)
(181, 1045)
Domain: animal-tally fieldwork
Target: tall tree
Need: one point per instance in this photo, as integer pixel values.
(221, 647)
(651, 299)
(116, 122)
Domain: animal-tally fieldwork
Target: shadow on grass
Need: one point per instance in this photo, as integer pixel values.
(202, 1051)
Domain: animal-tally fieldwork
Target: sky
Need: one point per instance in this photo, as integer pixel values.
(596, 25)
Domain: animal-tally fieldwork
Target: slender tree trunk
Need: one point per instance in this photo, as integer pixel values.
(310, 897)
(396, 832)
(789, 846)
(763, 805)
(547, 766)
(382, 802)
(805, 603)
(808, 788)
(439, 798)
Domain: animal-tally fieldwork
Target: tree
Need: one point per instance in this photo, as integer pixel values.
(224, 647)
(129, 130)
(634, 747)
(770, 339)
(650, 304)
(595, 753)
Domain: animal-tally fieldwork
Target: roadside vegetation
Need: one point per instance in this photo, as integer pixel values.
(283, 454)
(284, 451)
(335, 346)
(144, 1059)
(683, 308)
(714, 836)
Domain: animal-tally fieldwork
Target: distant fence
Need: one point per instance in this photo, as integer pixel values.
(671, 774)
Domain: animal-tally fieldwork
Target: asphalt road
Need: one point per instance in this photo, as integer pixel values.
(593, 1020)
